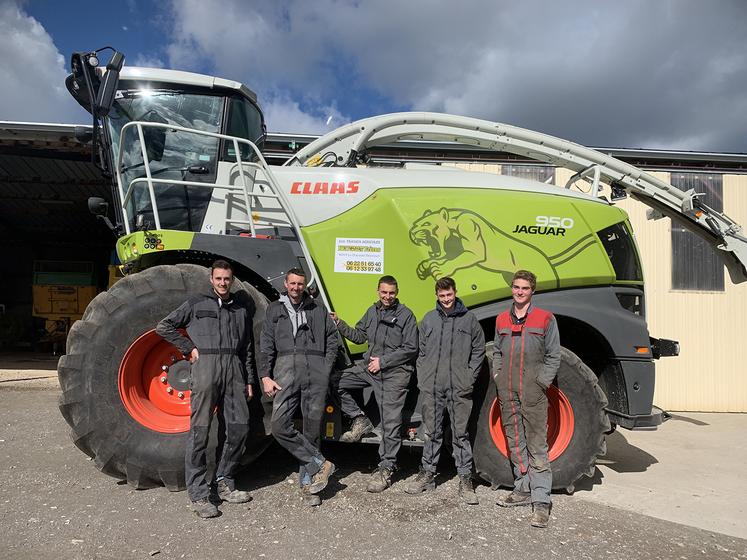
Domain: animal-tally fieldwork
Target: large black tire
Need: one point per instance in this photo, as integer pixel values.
(590, 423)
(101, 425)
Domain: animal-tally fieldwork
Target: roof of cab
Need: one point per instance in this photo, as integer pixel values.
(134, 73)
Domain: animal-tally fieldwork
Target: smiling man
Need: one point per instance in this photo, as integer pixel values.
(525, 362)
(220, 350)
(391, 331)
(298, 347)
(452, 350)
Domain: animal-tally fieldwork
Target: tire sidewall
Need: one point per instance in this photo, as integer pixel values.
(132, 307)
(577, 382)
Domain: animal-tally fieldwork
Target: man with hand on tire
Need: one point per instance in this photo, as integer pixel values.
(220, 350)
(298, 348)
(525, 362)
(391, 330)
(452, 350)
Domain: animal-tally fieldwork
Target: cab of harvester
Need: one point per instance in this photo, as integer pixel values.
(148, 130)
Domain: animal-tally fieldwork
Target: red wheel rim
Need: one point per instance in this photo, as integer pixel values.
(559, 424)
(153, 386)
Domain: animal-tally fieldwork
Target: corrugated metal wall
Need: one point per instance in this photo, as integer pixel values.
(711, 372)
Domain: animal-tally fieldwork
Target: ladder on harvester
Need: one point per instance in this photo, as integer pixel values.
(248, 190)
(347, 144)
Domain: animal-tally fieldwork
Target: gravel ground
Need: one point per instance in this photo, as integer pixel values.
(55, 504)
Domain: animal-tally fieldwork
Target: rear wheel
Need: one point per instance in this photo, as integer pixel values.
(125, 390)
(576, 420)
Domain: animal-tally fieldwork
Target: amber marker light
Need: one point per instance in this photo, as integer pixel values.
(330, 409)
(641, 349)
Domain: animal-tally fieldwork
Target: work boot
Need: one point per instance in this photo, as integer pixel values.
(321, 478)
(360, 427)
(232, 496)
(425, 480)
(309, 499)
(381, 479)
(515, 499)
(204, 509)
(467, 490)
(540, 515)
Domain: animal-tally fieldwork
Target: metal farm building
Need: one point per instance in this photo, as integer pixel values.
(46, 177)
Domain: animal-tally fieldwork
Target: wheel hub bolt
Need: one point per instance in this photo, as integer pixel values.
(164, 367)
(163, 379)
(169, 390)
(180, 395)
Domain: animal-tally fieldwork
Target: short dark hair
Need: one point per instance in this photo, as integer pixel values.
(445, 283)
(387, 279)
(526, 275)
(297, 271)
(223, 265)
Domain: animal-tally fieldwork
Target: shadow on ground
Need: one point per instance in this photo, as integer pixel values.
(621, 457)
(688, 420)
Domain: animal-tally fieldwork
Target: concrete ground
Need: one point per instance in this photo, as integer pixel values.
(691, 470)
(674, 493)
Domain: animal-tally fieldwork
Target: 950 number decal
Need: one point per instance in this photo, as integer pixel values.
(555, 221)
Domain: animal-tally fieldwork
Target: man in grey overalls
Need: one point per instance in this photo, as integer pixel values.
(452, 350)
(525, 362)
(298, 347)
(219, 347)
(391, 331)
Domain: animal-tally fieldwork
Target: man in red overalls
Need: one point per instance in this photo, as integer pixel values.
(525, 361)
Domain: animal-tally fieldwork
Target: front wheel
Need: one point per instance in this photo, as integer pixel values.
(576, 427)
(125, 390)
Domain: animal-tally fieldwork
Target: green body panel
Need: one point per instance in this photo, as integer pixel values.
(134, 246)
(472, 235)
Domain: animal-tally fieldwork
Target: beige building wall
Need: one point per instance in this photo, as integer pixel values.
(710, 374)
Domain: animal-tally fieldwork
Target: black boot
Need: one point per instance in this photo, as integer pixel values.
(425, 480)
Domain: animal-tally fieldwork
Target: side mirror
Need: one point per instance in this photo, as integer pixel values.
(98, 206)
(109, 83)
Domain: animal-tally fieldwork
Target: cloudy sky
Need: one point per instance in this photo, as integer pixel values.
(669, 74)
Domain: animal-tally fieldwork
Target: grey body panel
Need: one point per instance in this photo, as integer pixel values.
(268, 258)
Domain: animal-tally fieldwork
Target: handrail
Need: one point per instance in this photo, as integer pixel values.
(260, 165)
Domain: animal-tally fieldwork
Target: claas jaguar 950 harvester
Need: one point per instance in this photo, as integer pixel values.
(190, 185)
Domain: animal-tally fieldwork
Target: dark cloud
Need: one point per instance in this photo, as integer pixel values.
(668, 74)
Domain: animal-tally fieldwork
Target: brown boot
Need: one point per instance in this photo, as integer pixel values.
(321, 478)
(515, 499)
(232, 496)
(360, 427)
(205, 509)
(467, 490)
(380, 480)
(540, 515)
